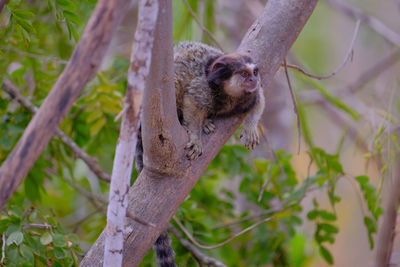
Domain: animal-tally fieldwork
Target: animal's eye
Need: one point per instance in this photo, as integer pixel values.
(244, 74)
(255, 72)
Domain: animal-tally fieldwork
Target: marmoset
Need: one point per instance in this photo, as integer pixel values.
(210, 84)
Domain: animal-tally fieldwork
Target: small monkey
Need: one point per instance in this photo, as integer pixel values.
(210, 84)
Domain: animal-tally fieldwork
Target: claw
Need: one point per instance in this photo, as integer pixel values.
(250, 138)
(209, 127)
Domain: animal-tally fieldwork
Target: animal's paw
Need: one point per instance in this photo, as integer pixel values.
(194, 148)
(209, 126)
(250, 138)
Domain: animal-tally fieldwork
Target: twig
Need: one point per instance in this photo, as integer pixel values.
(346, 59)
(135, 218)
(94, 199)
(204, 29)
(38, 226)
(3, 248)
(387, 229)
(265, 183)
(195, 252)
(372, 22)
(13, 91)
(296, 111)
(374, 71)
(191, 238)
(87, 216)
(44, 58)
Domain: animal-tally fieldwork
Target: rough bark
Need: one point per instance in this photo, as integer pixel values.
(81, 67)
(387, 230)
(168, 176)
(125, 150)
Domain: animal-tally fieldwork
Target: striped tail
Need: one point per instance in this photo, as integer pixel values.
(164, 251)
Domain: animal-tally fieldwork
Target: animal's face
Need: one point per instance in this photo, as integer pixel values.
(235, 73)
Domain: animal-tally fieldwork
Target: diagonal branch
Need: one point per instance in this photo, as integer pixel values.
(168, 177)
(374, 23)
(81, 67)
(12, 90)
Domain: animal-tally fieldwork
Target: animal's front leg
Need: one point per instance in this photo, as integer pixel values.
(249, 135)
(193, 121)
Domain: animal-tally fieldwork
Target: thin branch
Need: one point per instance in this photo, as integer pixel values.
(346, 59)
(265, 183)
(296, 111)
(372, 22)
(98, 202)
(373, 71)
(3, 248)
(132, 216)
(87, 216)
(191, 238)
(38, 226)
(387, 229)
(197, 254)
(13, 91)
(204, 29)
(37, 56)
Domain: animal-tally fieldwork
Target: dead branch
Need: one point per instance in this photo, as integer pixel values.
(191, 238)
(346, 59)
(168, 177)
(91, 162)
(81, 67)
(125, 151)
(197, 254)
(204, 29)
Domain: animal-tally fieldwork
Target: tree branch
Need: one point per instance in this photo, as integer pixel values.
(168, 177)
(3, 3)
(125, 151)
(13, 91)
(81, 67)
(387, 229)
(374, 23)
(195, 252)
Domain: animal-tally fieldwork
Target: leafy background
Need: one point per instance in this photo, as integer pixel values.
(324, 203)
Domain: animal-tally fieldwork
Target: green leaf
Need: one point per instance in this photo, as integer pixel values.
(326, 254)
(371, 228)
(59, 240)
(59, 253)
(26, 25)
(312, 214)
(327, 215)
(72, 17)
(24, 14)
(329, 228)
(46, 238)
(16, 238)
(67, 5)
(26, 252)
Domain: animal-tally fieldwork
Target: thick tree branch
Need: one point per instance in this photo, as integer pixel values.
(125, 151)
(3, 3)
(82, 66)
(168, 177)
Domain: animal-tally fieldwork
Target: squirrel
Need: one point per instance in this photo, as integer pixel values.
(210, 84)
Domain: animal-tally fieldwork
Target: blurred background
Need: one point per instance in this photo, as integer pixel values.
(325, 201)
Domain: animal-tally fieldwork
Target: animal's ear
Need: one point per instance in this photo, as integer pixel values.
(219, 73)
(217, 65)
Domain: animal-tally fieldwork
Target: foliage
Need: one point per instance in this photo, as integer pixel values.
(237, 190)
